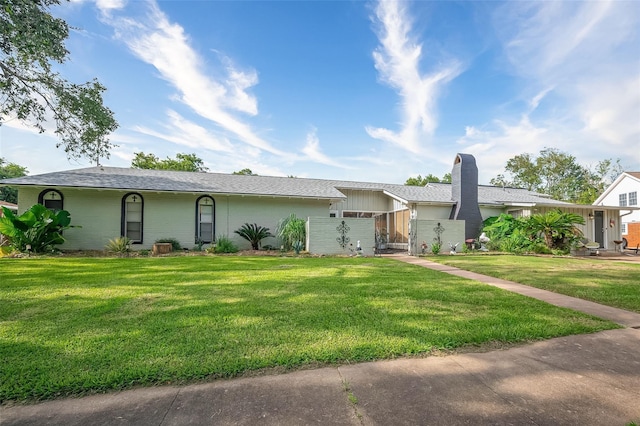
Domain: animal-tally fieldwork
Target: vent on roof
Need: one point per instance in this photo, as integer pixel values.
(464, 191)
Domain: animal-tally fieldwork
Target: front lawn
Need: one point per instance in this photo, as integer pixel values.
(70, 326)
(608, 282)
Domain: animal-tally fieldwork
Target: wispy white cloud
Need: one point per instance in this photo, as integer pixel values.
(583, 56)
(166, 46)
(183, 132)
(495, 145)
(314, 153)
(398, 60)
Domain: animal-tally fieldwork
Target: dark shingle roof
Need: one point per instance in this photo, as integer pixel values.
(218, 183)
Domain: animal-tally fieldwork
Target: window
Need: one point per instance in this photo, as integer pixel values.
(623, 228)
(131, 222)
(623, 200)
(205, 219)
(51, 199)
(633, 198)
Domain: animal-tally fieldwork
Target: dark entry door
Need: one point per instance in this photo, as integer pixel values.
(598, 224)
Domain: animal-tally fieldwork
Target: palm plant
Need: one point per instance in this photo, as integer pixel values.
(556, 227)
(253, 233)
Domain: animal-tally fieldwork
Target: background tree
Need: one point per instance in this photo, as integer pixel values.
(422, 181)
(31, 40)
(245, 172)
(182, 162)
(559, 175)
(10, 170)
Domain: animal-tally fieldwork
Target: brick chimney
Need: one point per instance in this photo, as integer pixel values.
(464, 191)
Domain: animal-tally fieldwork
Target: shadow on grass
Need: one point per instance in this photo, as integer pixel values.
(72, 326)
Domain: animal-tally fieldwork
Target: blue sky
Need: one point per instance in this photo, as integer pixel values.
(357, 90)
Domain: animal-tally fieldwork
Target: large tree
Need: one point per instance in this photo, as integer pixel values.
(32, 41)
(10, 170)
(559, 175)
(182, 162)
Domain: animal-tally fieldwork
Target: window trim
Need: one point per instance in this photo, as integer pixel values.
(123, 216)
(622, 200)
(213, 218)
(41, 199)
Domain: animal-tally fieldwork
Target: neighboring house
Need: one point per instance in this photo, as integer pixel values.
(146, 205)
(623, 192)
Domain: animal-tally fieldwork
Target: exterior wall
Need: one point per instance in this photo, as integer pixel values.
(633, 234)
(232, 212)
(624, 186)
(453, 231)
(362, 201)
(324, 235)
(488, 212)
(433, 212)
(168, 215)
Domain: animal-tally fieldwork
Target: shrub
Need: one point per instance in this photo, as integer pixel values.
(225, 245)
(539, 233)
(38, 229)
(253, 233)
(292, 230)
(435, 248)
(118, 245)
(175, 244)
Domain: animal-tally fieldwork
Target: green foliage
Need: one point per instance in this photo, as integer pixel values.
(31, 40)
(253, 233)
(119, 245)
(558, 228)
(175, 244)
(538, 233)
(245, 172)
(297, 246)
(182, 162)
(423, 181)
(38, 229)
(559, 175)
(292, 230)
(498, 227)
(435, 247)
(10, 170)
(225, 245)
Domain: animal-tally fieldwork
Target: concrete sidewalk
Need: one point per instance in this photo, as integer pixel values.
(589, 379)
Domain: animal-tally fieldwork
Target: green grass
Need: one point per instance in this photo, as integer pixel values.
(607, 282)
(70, 326)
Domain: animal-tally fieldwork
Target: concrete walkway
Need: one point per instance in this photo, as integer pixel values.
(591, 379)
(620, 316)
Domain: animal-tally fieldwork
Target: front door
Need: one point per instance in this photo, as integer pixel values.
(598, 227)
